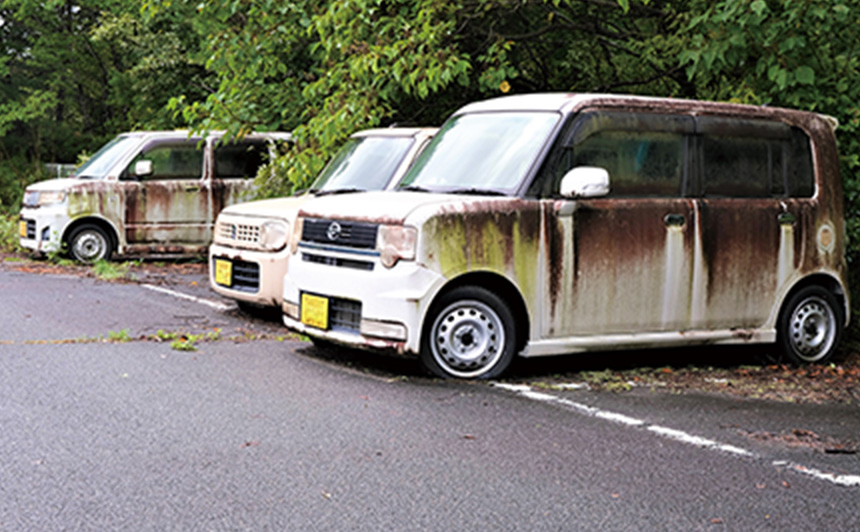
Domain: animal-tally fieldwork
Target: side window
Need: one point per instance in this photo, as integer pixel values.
(172, 160)
(745, 158)
(644, 153)
(800, 179)
(240, 159)
(640, 163)
(745, 167)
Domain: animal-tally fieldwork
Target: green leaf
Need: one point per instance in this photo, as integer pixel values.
(805, 75)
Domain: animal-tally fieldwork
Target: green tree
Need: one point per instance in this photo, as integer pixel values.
(327, 69)
(73, 74)
(802, 54)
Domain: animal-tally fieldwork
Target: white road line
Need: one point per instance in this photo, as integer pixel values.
(673, 434)
(209, 303)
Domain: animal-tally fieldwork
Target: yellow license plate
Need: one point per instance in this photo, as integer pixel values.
(22, 229)
(315, 311)
(223, 272)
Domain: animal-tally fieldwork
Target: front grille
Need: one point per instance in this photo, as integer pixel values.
(31, 229)
(339, 262)
(238, 233)
(340, 233)
(345, 314)
(246, 276)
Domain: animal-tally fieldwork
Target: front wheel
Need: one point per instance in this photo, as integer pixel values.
(89, 244)
(469, 333)
(810, 326)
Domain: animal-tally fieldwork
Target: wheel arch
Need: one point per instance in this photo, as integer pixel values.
(102, 223)
(502, 287)
(826, 281)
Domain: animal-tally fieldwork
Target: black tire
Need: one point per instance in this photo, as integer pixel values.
(469, 333)
(90, 243)
(810, 326)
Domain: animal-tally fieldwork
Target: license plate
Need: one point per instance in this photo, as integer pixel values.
(315, 311)
(223, 272)
(22, 229)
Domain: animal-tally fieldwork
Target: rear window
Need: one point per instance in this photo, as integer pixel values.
(241, 159)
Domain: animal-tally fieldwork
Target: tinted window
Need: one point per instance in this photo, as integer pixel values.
(639, 163)
(643, 153)
(240, 159)
(743, 167)
(744, 158)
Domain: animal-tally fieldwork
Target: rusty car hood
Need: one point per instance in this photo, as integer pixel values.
(64, 183)
(393, 207)
(275, 207)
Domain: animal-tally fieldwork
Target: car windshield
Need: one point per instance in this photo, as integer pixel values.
(482, 152)
(363, 163)
(106, 158)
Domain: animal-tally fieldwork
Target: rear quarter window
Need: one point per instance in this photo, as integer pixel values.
(241, 159)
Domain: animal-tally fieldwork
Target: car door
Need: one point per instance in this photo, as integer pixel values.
(167, 198)
(756, 186)
(627, 259)
(235, 165)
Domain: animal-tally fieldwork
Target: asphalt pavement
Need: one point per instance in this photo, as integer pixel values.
(244, 433)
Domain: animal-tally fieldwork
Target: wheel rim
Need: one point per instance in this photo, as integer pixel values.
(812, 329)
(467, 339)
(89, 246)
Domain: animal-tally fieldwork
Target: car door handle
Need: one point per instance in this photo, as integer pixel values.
(786, 218)
(194, 188)
(674, 219)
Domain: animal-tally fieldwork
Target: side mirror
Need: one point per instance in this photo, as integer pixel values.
(143, 168)
(585, 182)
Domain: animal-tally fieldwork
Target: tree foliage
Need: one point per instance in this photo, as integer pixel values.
(803, 54)
(74, 74)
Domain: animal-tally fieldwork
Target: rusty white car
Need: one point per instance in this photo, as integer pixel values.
(145, 194)
(547, 224)
(248, 257)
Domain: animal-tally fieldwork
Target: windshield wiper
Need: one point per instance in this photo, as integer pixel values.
(413, 188)
(338, 191)
(477, 191)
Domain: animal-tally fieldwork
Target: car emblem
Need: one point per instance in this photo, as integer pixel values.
(233, 231)
(333, 231)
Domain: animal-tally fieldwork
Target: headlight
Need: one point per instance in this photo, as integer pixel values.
(297, 235)
(34, 198)
(396, 242)
(49, 198)
(273, 234)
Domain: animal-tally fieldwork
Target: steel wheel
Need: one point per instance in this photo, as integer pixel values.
(89, 243)
(471, 335)
(810, 326)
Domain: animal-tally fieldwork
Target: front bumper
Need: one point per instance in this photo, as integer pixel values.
(387, 304)
(41, 228)
(257, 276)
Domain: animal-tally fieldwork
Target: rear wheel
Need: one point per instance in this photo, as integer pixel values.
(469, 333)
(810, 326)
(90, 243)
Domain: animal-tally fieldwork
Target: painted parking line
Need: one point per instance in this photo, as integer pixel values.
(676, 435)
(208, 302)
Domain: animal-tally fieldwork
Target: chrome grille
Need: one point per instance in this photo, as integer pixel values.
(340, 233)
(337, 261)
(239, 232)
